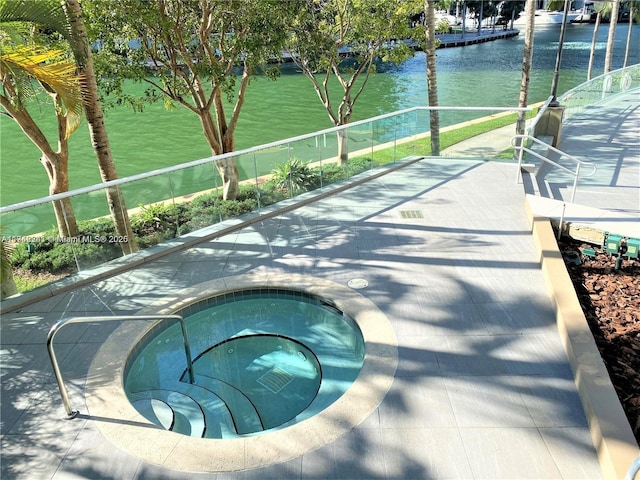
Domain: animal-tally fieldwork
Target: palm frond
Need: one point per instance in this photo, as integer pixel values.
(47, 13)
(53, 70)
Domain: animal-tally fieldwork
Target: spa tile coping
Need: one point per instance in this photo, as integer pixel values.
(122, 425)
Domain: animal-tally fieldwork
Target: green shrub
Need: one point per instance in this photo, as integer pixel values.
(293, 176)
(159, 218)
(53, 256)
(63, 257)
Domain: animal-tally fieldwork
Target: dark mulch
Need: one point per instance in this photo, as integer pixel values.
(610, 299)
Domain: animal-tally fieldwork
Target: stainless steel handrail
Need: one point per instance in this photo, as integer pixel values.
(633, 470)
(520, 146)
(56, 328)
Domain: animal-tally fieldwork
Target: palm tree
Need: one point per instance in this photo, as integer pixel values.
(55, 74)
(600, 8)
(432, 79)
(71, 27)
(79, 42)
(613, 21)
(634, 15)
(527, 57)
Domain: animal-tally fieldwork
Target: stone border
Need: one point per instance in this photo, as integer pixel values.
(610, 431)
(122, 425)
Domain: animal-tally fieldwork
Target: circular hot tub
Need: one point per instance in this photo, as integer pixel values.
(269, 382)
(262, 359)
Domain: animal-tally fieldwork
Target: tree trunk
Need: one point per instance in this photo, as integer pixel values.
(592, 53)
(432, 80)
(59, 183)
(527, 59)
(608, 59)
(227, 167)
(343, 146)
(628, 46)
(55, 162)
(95, 119)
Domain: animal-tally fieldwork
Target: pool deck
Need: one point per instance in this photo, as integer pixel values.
(493, 379)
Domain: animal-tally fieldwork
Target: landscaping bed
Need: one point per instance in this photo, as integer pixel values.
(610, 299)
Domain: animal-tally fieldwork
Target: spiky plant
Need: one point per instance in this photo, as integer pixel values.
(7, 283)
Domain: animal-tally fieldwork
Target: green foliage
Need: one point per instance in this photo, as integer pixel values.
(293, 176)
(41, 12)
(7, 283)
(182, 41)
(343, 38)
(52, 257)
(157, 222)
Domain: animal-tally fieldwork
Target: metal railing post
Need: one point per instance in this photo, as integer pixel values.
(56, 328)
(575, 183)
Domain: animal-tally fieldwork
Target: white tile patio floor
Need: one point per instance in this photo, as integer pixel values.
(483, 387)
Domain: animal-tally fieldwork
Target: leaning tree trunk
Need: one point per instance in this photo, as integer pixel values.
(55, 163)
(432, 79)
(613, 21)
(95, 119)
(628, 45)
(57, 167)
(527, 59)
(592, 53)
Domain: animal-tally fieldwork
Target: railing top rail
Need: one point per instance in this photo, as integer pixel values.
(577, 161)
(246, 151)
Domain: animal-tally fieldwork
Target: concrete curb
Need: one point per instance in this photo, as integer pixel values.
(610, 431)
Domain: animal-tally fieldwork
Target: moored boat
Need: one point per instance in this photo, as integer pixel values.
(548, 17)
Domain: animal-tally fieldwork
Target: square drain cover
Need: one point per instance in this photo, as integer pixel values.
(275, 379)
(411, 214)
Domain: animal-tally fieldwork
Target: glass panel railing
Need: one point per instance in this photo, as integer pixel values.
(179, 200)
(600, 90)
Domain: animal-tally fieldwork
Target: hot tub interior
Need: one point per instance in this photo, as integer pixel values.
(263, 359)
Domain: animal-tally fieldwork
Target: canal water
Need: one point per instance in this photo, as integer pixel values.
(485, 74)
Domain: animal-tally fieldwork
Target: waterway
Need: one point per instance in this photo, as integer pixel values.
(486, 74)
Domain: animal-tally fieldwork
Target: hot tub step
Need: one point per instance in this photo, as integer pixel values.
(245, 416)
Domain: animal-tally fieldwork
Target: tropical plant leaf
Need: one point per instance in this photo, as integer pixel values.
(53, 70)
(48, 13)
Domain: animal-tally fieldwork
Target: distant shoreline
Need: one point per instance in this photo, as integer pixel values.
(448, 40)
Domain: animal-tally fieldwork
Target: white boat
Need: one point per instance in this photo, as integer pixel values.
(548, 17)
(586, 14)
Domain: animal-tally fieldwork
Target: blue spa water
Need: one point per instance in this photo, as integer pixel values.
(263, 359)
